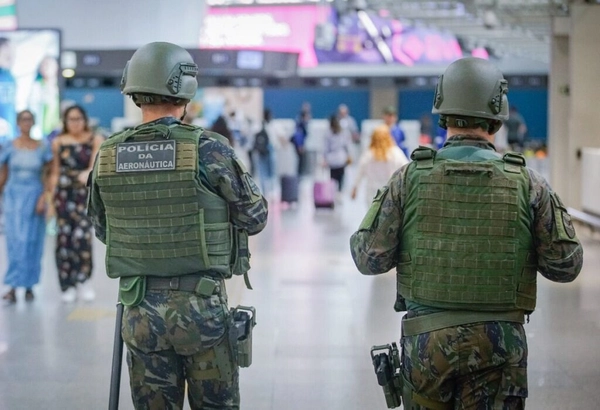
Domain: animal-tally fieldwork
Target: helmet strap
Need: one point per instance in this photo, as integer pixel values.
(488, 125)
(184, 113)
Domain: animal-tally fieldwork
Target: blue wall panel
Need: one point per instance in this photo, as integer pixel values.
(107, 103)
(286, 103)
(533, 106)
(412, 104)
(101, 103)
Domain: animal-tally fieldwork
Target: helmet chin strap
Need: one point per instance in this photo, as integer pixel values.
(184, 113)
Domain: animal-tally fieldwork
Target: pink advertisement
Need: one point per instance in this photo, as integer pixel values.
(325, 35)
(270, 28)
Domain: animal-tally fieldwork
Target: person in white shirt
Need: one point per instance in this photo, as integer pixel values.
(378, 163)
(337, 151)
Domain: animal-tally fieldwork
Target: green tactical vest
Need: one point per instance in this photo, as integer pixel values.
(161, 220)
(466, 239)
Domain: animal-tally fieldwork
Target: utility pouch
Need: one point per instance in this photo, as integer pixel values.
(241, 262)
(132, 290)
(387, 369)
(206, 287)
(400, 304)
(241, 255)
(244, 320)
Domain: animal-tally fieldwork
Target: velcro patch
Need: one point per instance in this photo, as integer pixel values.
(146, 156)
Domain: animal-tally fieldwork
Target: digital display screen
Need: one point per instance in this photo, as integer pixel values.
(29, 79)
(8, 15)
(322, 34)
(250, 60)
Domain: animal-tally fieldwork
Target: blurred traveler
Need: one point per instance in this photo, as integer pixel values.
(516, 129)
(390, 118)
(74, 152)
(300, 135)
(467, 230)
(173, 249)
(337, 152)
(220, 127)
(264, 154)
(348, 123)
(24, 171)
(377, 164)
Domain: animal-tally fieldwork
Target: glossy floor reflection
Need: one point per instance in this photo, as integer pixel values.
(317, 318)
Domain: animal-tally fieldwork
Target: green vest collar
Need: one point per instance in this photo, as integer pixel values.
(466, 139)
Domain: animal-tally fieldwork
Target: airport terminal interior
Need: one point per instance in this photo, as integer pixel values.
(317, 315)
(317, 318)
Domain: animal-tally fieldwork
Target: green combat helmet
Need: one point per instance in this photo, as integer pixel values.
(471, 87)
(160, 69)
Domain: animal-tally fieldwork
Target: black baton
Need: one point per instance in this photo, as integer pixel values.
(117, 361)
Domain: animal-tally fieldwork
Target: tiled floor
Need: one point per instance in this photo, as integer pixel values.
(317, 319)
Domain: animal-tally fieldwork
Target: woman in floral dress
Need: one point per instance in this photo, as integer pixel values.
(74, 153)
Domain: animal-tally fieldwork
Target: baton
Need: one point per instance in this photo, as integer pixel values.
(117, 361)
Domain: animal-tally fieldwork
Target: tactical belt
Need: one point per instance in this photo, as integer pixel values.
(436, 321)
(186, 283)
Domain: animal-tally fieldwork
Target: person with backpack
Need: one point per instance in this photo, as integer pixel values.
(263, 154)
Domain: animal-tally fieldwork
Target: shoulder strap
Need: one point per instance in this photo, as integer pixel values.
(424, 157)
(141, 133)
(513, 162)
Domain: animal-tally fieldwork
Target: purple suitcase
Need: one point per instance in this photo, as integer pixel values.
(324, 193)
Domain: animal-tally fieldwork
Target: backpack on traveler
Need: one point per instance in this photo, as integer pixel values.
(261, 142)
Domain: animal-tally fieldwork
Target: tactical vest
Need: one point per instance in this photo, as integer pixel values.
(466, 240)
(161, 220)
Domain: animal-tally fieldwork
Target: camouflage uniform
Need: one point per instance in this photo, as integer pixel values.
(477, 365)
(171, 334)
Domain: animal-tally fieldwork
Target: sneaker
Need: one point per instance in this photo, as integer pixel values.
(87, 292)
(69, 295)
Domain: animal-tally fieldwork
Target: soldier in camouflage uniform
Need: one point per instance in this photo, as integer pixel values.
(467, 229)
(175, 206)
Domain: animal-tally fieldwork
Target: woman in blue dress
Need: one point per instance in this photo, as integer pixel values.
(24, 171)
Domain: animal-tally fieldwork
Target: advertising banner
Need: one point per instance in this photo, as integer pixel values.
(324, 35)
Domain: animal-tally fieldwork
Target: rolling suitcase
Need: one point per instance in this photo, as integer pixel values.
(289, 188)
(324, 193)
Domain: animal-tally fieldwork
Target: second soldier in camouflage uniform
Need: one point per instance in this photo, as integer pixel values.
(174, 206)
(466, 230)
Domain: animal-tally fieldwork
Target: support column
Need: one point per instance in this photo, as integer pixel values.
(558, 105)
(584, 66)
(574, 103)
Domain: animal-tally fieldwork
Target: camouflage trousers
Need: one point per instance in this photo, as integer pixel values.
(481, 366)
(169, 337)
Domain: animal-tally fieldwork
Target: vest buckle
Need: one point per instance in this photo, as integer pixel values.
(174, 283)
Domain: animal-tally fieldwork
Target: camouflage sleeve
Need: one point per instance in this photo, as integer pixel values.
(228, 176)
(374, 246)
(560, 254)
(95, 206)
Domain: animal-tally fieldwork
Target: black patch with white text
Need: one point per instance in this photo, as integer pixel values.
(146, 156)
